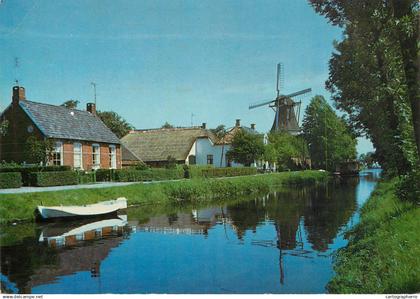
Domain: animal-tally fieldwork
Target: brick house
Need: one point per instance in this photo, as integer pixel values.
(80, 139)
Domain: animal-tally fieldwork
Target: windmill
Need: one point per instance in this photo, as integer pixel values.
(287, 111)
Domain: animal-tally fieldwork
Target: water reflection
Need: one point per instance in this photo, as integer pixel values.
(302, 225)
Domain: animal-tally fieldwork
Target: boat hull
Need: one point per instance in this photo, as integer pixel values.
(93, 210)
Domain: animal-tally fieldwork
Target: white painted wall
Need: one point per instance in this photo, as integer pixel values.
(203, 147)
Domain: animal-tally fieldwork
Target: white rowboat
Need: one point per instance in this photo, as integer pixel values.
(100, 208)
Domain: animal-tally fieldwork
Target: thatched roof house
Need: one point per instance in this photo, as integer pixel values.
(154, 146)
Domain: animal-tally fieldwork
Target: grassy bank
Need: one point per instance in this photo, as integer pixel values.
(383, 254)
(22, 206)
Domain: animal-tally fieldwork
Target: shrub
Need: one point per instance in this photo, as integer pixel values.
(408, 187)
(228, 171)
(152, 174)
(10, 180)
(26, 170)
(53, 178)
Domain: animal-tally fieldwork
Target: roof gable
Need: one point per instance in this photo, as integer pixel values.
(64, 123)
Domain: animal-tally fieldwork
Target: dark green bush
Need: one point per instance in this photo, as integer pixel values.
(26, 170)
(152, 174)
(408, 187)
(10, 180)
(53, 178)
(228, 171)
(86, 177)
(105, 175)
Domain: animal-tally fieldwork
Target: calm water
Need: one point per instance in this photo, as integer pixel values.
(280, 242)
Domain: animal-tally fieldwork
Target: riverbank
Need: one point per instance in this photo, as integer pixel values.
(21, 207)
(383, 255)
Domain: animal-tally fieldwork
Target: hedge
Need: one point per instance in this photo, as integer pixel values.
(53, 178)
(228, 171)
(86, 177)
(10, 180)
(26, 170)
(105, 175)
(153, 174)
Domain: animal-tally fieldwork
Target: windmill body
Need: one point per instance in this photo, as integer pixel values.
(287, 111)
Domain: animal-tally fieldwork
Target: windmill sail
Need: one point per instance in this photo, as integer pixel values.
(286, 109)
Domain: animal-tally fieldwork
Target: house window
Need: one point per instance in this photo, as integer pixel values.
(191, 160)
(210, 159)
(112, 157)
(77, 156)
(57, 153)
(96, 156)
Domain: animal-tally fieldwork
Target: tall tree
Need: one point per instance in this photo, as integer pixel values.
(71, 104)
(246, 148)
(167, 125)
(374, 74)
(115, 123)
(329, 139)
(220, 132)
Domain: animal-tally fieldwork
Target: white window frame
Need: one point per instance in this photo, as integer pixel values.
(77, 155)
(112, 156)
(96, 156)
(58, 149)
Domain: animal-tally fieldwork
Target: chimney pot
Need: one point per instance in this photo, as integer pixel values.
(18, 94)
(253, 126)
(238, 123)
(91, 107)
(203, 125)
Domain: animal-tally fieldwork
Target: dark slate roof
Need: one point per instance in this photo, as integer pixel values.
(63, 123)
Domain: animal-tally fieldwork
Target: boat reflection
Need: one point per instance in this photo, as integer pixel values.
(70, 234)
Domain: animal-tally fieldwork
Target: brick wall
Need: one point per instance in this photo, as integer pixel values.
(12, 145)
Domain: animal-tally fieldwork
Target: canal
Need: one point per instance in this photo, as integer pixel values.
(281, 242)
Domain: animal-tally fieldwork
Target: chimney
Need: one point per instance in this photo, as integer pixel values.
(203, 126)
(252, 126)
(238, 123)
(91, 107)
(18, 94)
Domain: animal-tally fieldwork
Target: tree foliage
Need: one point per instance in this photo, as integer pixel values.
(246, 148)
(374, 75)
(115, 123)
(282, 146)
(368, 160)
(38, 151)
(329, 139)
(4, 125)
(71, 104)
(167, 125)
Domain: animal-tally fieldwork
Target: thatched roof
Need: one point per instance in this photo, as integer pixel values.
(128, 155)
(157, 144)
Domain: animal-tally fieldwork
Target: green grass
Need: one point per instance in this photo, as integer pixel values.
(22, 206)
(383, 254)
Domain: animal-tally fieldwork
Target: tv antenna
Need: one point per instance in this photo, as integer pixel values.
(94, 91)
(192, 117)
(16, 70)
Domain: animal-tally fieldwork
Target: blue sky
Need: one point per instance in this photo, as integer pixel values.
(155, 61)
